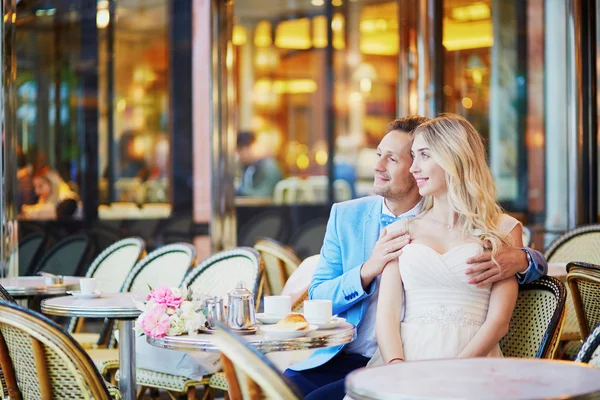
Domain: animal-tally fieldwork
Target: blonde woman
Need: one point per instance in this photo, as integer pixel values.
(445, 316)
(51, 191)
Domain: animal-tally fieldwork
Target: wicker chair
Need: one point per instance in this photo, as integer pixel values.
(250, 375)
(579, 244)
(5, 296)
(31, 249)
(584, 282)
(590, 349)
(164, 266)
(280, 262)
(111, 268)
(41, 361)
(67, 257)
(537, 320)
(217, 275)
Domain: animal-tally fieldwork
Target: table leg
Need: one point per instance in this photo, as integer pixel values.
(127, 359)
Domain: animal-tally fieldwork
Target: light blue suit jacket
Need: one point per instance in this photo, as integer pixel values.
(352, 231)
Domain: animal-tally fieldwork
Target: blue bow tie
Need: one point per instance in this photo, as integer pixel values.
(388, 219)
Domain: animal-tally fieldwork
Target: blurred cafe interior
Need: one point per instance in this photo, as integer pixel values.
(152, 118)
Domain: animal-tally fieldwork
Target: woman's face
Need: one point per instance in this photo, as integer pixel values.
(42, 188)
(430, 176)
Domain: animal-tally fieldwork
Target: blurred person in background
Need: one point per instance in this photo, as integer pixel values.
(25, 193)
(51, 190)
(132, 163)
(260, 173)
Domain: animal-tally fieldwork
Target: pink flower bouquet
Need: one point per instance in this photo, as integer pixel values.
(171, 312)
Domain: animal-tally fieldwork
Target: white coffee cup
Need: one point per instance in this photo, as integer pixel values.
(88, 285)
(278, 306)
(318, 311)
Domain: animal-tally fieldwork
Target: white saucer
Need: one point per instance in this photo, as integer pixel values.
(268, 318)
(333, 323)
(276, 333)
(78, 294)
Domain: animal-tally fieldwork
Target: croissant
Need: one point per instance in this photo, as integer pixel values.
(293, 322)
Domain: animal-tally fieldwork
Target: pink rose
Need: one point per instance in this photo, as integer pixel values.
(165, 296)
(156, 322)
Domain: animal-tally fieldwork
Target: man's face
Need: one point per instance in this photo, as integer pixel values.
(393, 179)
(245, 155)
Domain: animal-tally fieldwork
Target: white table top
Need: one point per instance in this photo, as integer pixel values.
(557, 270)
(475, 378)
(343, 334)
(34, 285)
(110, 305)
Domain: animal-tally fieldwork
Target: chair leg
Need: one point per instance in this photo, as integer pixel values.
(191, 393)
(141, 392)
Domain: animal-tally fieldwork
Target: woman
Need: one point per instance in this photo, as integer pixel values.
(445, 316)
(51, 191)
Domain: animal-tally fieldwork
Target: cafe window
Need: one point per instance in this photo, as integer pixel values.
(294, 104)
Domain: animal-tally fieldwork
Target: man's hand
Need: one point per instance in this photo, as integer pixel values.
(511, 260)
(388, 247)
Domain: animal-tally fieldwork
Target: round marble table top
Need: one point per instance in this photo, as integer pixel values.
(22, 286)
(475, 378)
(109, 305)
(343, 334)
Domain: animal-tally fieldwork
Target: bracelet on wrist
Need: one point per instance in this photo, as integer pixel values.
(396, 359)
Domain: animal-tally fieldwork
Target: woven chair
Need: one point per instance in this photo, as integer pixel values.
(111, 268)
(164, 266)
(297, 284)
(31, 249)
(537, 320)
(590, 349)
(67, 257)
(250, 375)
(218, 275)
(584, 282)
(5, 296)
(41, 361)
(280, 262)
(579, 244)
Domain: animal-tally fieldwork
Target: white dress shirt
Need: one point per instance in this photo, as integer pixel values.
(366, 342)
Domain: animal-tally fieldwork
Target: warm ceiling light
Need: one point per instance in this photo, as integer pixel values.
(293, 34)
(467, 35)
(262, 34)
(473, 12)
(467, 102)
(239, 35)
(317, 3)
(336, 3)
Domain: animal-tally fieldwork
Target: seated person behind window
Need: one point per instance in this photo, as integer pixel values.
(260, 173)
(51, 191)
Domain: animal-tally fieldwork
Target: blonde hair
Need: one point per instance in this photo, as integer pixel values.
(458, 148)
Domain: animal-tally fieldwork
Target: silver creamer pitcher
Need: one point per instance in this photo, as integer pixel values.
(240, 310)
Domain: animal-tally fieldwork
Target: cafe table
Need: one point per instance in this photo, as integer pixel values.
(119, 306)
(475, 378)
(340, 335)
(26, 288)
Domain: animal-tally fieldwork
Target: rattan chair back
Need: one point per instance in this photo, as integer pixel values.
(41, 361)
(280, 262)
(165, 266)
(220, 273)
(579, 244)
(537, 320)
(4, 295)
(584, 282)
(67, 257)
(31, 249)
(590, 349)
(249, 374)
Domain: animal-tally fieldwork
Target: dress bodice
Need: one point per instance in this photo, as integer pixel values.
(437, 289)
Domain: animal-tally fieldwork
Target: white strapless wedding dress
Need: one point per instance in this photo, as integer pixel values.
(443, 311)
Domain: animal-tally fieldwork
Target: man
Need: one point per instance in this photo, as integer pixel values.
(355, 251)
(260, 174)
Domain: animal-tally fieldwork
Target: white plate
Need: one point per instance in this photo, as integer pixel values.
(333, 322)
(268, 318)
(80, 295)
(276, 333)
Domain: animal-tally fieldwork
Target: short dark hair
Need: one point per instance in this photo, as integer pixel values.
(406, 124)
(245, 139)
